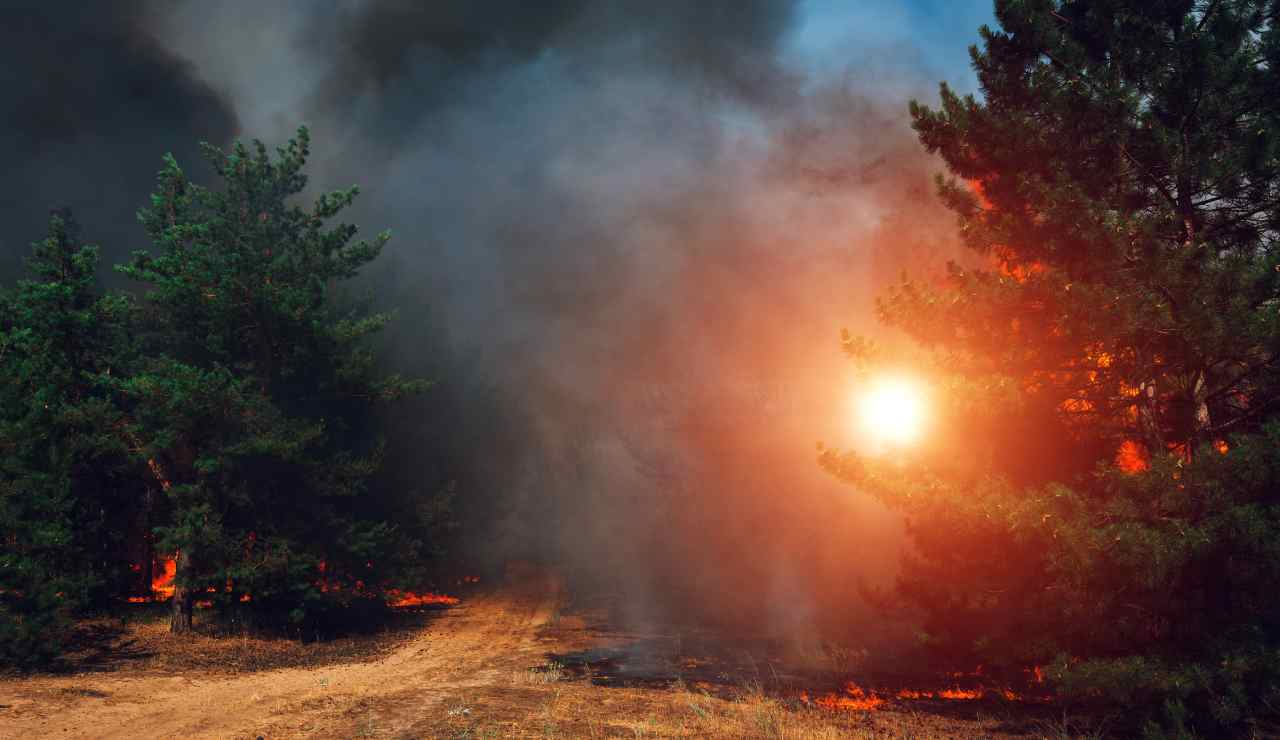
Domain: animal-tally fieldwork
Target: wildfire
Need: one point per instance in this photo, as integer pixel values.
(161, 580)
(1132, 457)
(856, 698)
(162, 583)
(404, 599)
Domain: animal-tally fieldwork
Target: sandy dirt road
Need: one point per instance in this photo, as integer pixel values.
(476, 644)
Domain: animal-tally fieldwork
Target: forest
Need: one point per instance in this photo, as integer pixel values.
(215, 426)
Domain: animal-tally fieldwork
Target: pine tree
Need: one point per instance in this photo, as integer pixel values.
(1102, 491)
(256, 406)
(67, 486)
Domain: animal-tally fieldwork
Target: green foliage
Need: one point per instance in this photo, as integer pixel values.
(64, 491)
(256, 403)
(1116, 331)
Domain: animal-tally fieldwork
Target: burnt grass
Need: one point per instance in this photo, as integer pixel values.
(710, 663)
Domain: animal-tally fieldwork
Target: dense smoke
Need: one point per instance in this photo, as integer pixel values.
(91, 99)
(626, 236)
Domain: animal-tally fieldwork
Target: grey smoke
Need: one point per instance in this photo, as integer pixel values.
(626, 235)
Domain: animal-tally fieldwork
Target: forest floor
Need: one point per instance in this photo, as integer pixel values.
(511, 661)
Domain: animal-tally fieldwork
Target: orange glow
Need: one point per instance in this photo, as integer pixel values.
(893, 411)
(854, 698)
(162, 582)
(1076, 406)
(165, 568)
(403, 599)
(1132, 457)
(975, 187)
(1221, 446)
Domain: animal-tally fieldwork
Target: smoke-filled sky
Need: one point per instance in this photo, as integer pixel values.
(626, 236)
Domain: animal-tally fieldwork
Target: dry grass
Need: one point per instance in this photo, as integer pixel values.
(545, 703)
(142, 643)
(547, 673)
(486, 670)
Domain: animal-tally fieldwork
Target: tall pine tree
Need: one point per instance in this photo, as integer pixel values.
(256, 406)
(67, 484)
(1101, 493)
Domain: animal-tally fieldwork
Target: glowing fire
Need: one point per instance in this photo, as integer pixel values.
(893, 410)
(856, 698)
(162, 583)
(403, 599)
(1132, 457)
(161, 580)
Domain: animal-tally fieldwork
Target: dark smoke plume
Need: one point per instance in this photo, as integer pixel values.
(626, 236)
(91, 99)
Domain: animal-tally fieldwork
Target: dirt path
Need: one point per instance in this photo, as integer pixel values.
(476, 644)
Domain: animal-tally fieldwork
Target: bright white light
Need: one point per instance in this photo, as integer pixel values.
(893, 411)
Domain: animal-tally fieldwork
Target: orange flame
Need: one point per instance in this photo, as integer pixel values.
(853, 699)
(403, 599)
(856, 698)
(1132, 457)
(162, 582)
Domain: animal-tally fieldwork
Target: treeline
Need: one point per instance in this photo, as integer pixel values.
(223, 413)
(1100, 502)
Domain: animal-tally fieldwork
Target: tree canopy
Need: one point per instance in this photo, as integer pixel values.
(1101, 493)
(224, 415)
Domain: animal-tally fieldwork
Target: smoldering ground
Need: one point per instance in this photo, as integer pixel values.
(626, 236)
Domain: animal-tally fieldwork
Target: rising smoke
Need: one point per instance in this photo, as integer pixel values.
(626, 236)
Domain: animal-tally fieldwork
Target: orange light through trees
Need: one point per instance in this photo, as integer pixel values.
(893, 411)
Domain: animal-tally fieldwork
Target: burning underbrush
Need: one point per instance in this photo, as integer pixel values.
(854, 697)
(676, 680)
(816, 677)
(163, 570)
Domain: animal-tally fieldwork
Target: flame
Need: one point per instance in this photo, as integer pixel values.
(162, 582)
(1132, 457)
(402, 599)
(163, 572)
(854, 698)
(975, 187)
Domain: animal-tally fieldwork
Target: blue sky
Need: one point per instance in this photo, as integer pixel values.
(938, 33)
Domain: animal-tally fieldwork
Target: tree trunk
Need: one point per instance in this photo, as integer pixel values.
(148, 537)
(1149, 418)
(180, 618)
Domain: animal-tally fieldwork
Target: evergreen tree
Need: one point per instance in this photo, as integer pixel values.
(1112, 358)
(66, 481)
(256, 405)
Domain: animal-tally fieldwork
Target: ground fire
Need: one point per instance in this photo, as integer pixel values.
(858, 698)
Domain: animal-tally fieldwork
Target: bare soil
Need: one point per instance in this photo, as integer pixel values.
(507, 662)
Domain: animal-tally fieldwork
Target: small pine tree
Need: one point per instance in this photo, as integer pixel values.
(1102, 493)
(256, 405)
(66, 485)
